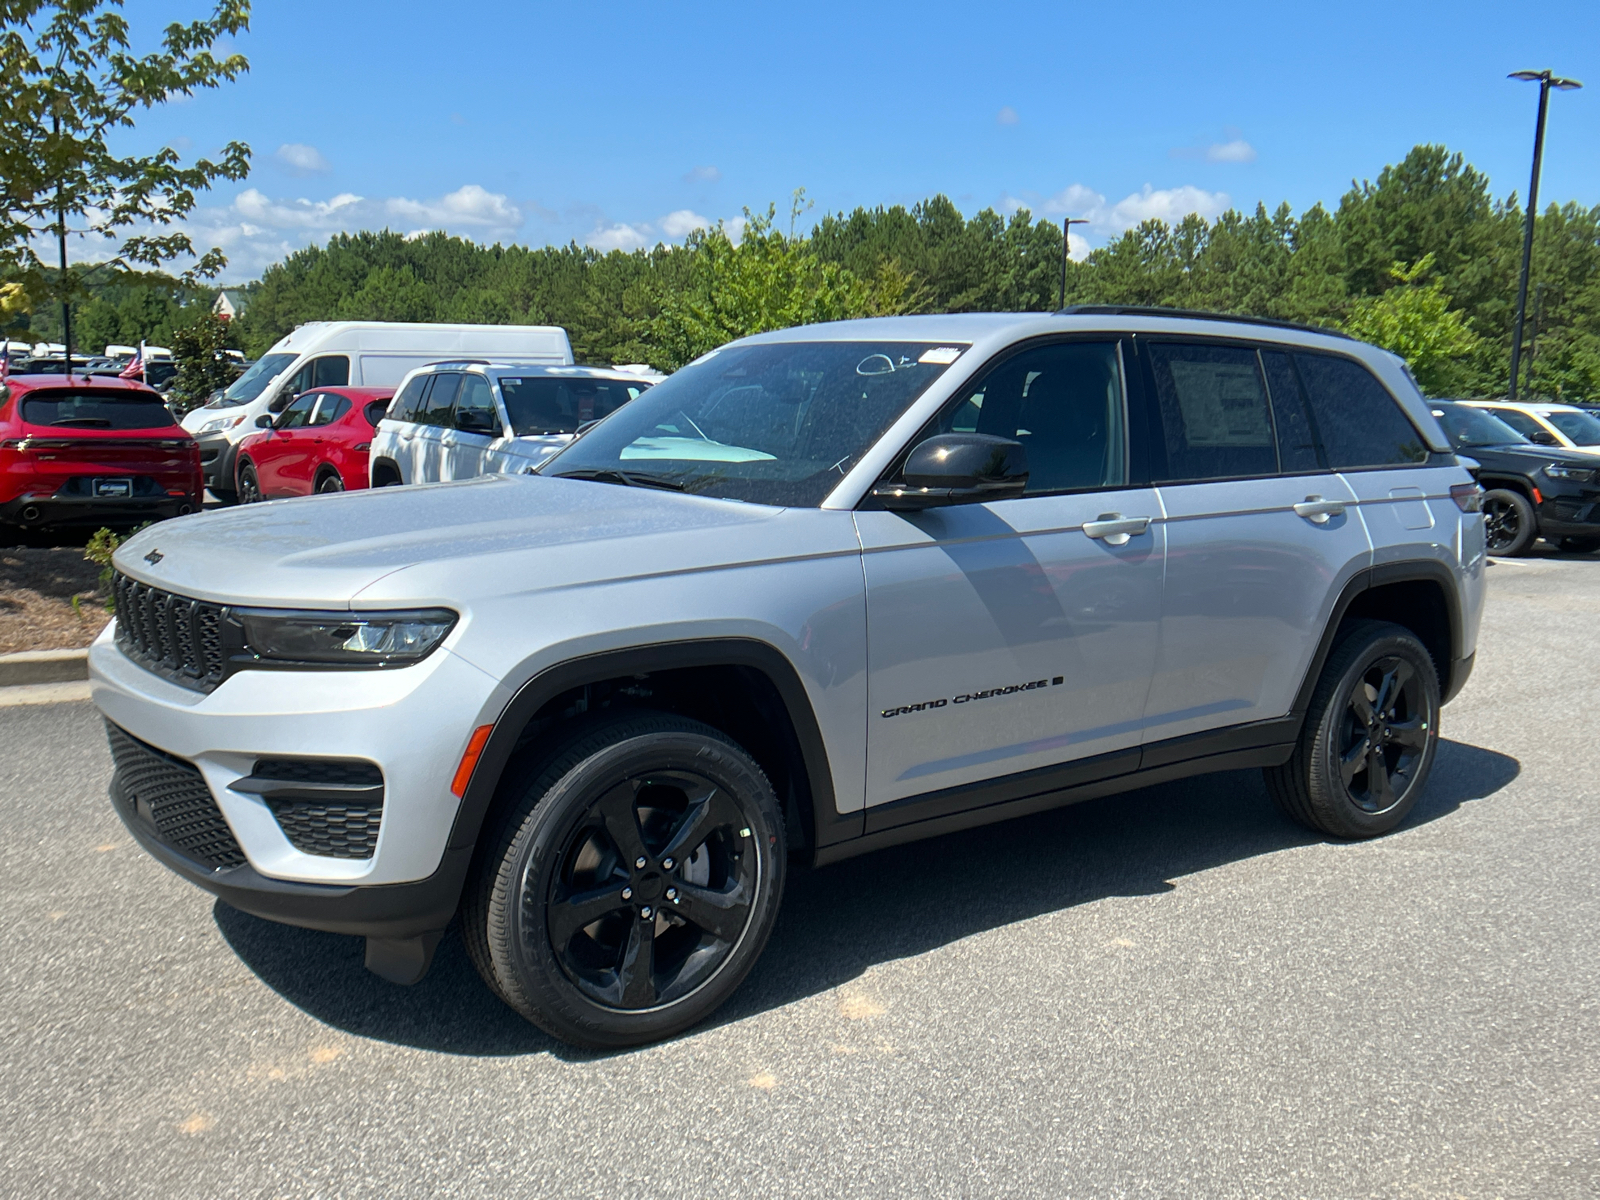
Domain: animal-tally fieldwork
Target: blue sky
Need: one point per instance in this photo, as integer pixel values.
(626, 124)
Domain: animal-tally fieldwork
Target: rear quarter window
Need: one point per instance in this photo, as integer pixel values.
(91, 410)
(1360, 422)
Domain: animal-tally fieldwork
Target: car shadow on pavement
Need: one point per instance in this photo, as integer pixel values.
(838, 921)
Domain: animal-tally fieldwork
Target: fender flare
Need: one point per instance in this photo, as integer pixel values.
(828, 824)
(1408, 571)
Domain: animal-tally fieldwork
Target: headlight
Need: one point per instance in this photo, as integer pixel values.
(1575, 474)
(221, 423)
(376, 639)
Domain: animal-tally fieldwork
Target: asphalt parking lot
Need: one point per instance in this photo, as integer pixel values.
(1173, 993)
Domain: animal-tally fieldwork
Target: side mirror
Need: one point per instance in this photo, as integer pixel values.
(958, 468)
(1543, 437)
(474, 421)
(264, 421)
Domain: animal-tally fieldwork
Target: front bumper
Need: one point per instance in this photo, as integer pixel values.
(1570, 512)
(217, 458)
(413, 722)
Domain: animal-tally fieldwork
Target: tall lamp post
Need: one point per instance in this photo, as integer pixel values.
(1066, 248)
(1546, 81)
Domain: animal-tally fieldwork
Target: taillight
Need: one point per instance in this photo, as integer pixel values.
(1468, 496)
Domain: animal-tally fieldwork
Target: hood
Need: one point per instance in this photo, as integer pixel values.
(1527, 456)
(323, 551)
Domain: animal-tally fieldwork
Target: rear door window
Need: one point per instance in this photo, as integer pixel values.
(407, 405)
(330, 410)
(1360, 423)
(89, 410)
(439, 407)
(1215, 419)
(1297, 442)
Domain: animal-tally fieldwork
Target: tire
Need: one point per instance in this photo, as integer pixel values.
(330, 482)
(1580, 545)
(555, 916)
(1328, 784)
(1509, 526)
(249, 484)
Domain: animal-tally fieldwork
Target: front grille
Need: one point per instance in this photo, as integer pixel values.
(172, 798)
(325, 824)
(178, 638)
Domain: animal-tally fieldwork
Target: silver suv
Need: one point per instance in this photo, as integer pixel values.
(820, 592)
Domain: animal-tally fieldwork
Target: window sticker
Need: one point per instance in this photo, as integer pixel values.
(941, 356)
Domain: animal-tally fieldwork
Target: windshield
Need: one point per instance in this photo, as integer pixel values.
(779, 423)
(90, 410)
(254, 381)
(1580, 428)
(1474, 427)
(559, 404)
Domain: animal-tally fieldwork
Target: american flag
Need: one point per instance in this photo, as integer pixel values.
(135, 369)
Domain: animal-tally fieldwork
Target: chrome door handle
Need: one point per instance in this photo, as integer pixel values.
(1317, 510)
(1115, 529)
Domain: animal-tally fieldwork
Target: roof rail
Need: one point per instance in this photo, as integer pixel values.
(1190, 314)
(459, 362)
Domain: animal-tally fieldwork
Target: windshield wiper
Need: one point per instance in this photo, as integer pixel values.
(86, 422)
(626, 478)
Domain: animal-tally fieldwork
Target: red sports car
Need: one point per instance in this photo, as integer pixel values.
(318, 444)
(92, 450)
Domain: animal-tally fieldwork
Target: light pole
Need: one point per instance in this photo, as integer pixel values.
(1066, 247)
(1546, 82)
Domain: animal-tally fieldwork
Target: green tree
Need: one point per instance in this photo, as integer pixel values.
(1415, 321)
(69, 83)
(202, 368)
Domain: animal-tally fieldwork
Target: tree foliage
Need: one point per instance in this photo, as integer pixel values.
(202, 368)
(69, 84)
(1415, 321)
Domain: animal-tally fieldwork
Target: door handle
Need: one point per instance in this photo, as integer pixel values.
(1115, 529)
(1317, 510)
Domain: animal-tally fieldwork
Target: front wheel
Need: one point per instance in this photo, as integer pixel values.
(632, 884)
(1509, 525)
(1369, 737)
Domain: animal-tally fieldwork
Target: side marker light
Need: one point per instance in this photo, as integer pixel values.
(469, 760)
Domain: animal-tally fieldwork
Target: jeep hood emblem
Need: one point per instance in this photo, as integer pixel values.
(154, 557)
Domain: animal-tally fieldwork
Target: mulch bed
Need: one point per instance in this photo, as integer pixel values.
(37, 589)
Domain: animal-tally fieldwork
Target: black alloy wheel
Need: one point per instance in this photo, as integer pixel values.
(249, 484)
(330, 482)
(654, 890)
(1509, 525)
(630, 882)
(1385, 734)
(1370, 735)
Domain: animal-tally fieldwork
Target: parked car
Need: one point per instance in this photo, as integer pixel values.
(822, 591)
(1564, 425)
(323, 354)
(461, 420)
(318, 444)
(92, 451)
(1532, 491)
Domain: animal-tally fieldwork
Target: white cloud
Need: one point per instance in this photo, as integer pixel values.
(300, 159)
(706, 174)
(682, 223)
(619, 236)
(1236, 151)
(1112, 220)
(470, 206)
(1007, 116)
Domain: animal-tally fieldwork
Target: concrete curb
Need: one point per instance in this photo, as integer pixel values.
(43, 666)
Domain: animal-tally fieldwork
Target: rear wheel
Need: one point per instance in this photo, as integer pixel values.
(1509, 525)
(633, 883)
(249, 484)
(330, 482)
(1369, 738)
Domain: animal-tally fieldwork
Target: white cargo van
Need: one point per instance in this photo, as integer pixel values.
(354, 353)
